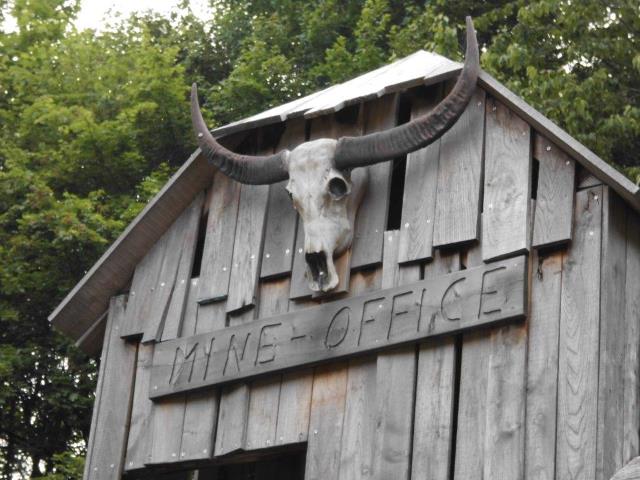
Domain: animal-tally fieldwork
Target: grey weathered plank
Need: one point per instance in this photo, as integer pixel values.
(506, 224)
(181, 238)
(187, 226)
(357, 449)
(233, 413)
(384, 319)
(578, 351)
(542, 365)
(457, 214)
(632, 349)
(419, 197)
(282, 220)
(554, 202)
(631, 471)
(247, 250)
(265, 393)
(395, 384)
(92, 339)
(491, 413)
(584, 179)
(139, 440)
(141, 295)
(610, 446)
(371, 220)
(294, 407)
(617, 180)
(469, 459)
(435, 390)
(219, 239)
(325, 422)
(105, 456)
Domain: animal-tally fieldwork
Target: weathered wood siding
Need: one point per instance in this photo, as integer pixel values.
(553, 397)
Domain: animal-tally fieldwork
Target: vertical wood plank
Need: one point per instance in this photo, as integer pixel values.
(542, 365)
(609, 449)
(233, 414)
(188, 227)
(299, 283)
(139, 441)
(105, 456)
(294, 407)
(371, 220)
(507, 183)
(460, 176)
(325, 423)
(435, 390)
(265, 392)
(395, 388)
(141, 295)
(419, 197)
(578, 351)
(491, 412)
(247, 250)
(356, 452)
(219, 238)
(554, 202)
(631, 412)
(282, 219)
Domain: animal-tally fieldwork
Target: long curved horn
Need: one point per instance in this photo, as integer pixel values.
(352, 152)
(255, 170)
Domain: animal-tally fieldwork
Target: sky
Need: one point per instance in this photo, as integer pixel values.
(92, 13)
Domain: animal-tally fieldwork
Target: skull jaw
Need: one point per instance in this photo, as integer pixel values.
(321, 271)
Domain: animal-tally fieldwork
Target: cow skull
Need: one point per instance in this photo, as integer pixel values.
(325, 182)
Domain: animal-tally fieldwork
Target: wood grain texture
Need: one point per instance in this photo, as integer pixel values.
(395, 384)
(631, 471)
(435, 390)
(491, 412)
(141, 295)
(282, 219)
(457, 214)
(325, 422)
(542, 366)
(371, 220)
(419, 197)
(265, 393)
(105, 456)
(177, 259)
(554, 201)
(139, 440)
(507, 183)
(294, 407)
(172, 322)
(578, 350)
(247, 250)
(610, 442)
(357, 447)
(200, 408)
(219, 239)
(631, 413)
(233, 413)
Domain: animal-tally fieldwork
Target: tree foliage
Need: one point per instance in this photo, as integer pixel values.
(93, 123)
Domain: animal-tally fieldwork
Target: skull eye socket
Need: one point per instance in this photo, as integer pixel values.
(338, 187)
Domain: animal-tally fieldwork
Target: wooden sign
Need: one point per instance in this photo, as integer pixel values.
(459, 301)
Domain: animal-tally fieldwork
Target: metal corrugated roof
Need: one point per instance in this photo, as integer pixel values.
(82, 308)
(420, 68)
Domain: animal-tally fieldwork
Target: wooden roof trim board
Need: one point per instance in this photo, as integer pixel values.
(88, 300)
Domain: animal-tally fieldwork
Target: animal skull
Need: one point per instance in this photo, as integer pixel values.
(326, 183)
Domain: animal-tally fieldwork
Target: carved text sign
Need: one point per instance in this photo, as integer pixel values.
(386, 318)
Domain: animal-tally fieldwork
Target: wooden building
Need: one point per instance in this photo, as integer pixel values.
(547, 390)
